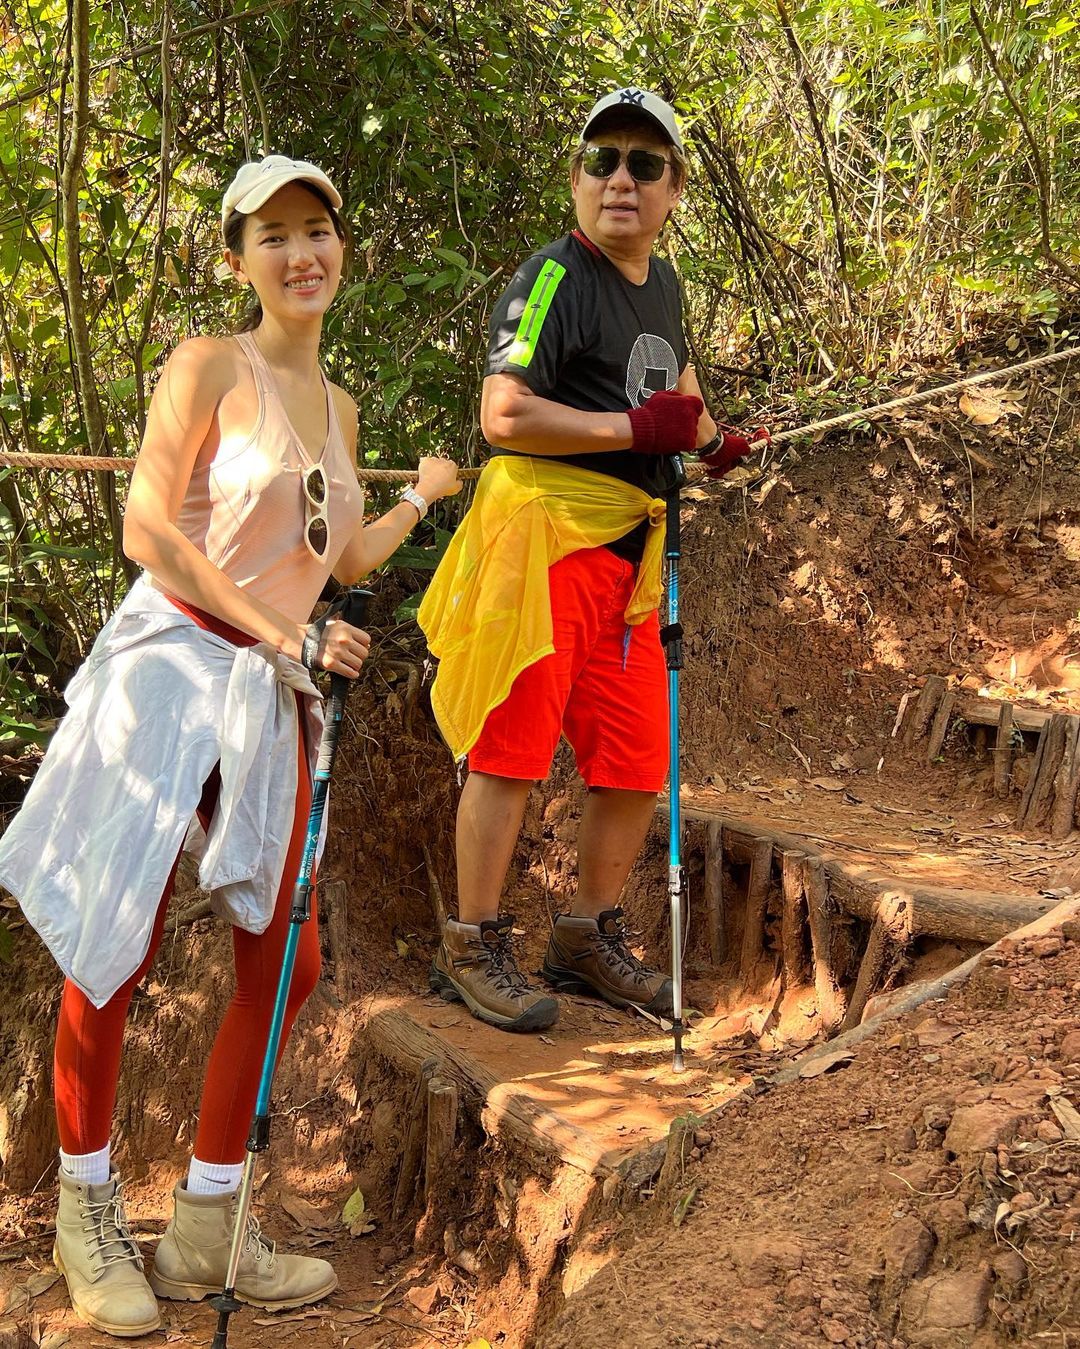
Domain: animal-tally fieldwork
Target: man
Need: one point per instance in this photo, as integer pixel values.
(544, 611)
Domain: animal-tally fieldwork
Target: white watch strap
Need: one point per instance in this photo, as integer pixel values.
(413, 497)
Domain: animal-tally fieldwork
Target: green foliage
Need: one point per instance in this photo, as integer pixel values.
(861, 185)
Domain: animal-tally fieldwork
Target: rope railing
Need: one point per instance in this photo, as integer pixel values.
(100, 464)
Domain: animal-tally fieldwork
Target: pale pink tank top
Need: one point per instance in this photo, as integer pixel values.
(246, 509)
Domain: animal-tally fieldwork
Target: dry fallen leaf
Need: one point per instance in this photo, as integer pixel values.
(314, 1314)
(825, 1062)
(1067, 1116)
(302, 1213)
(828, 784)
(981, 408)
(41, 1282)
(423, 1297)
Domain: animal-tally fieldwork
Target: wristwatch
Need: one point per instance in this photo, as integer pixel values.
(413, 497)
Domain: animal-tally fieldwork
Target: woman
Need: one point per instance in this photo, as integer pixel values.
(196, 708)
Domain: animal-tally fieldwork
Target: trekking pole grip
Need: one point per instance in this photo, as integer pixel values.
(353, 610)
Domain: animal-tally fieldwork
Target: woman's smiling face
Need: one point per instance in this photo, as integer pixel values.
(292, 255)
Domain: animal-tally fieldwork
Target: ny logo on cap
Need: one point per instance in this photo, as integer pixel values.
(635, 96)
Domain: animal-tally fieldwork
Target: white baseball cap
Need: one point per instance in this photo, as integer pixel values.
(651, 106)
(258, 180)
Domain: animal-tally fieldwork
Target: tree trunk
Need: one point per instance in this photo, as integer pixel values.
(74, 291)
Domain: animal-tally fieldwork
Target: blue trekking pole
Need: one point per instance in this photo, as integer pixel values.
(671, 636)
(352, 608)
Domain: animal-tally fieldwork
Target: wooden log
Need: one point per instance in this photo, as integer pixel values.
(714, 890)
(442, 1108)
(677, 1145)
(1025, 799)
(1067, 783)
(889, 929)
(987, 712)
(940, 727)
(791, 922)
(1003, 750)
(926, 703)
(507, 1110)
(405, 1188)
(980, 916)
(1040, 791)
(757, 895)
(830, 996)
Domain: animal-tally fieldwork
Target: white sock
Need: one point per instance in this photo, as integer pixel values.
(92, 1168)
(213, 1177)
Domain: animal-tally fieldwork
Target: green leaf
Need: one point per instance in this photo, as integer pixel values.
(354, 1208)
(406, 610)
(683, 1206)
(420, 559)
(394, 391)
(448, 255)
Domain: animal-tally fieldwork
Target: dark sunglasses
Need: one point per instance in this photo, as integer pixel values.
(601, 161)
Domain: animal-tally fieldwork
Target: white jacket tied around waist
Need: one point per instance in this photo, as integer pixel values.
(157, 704)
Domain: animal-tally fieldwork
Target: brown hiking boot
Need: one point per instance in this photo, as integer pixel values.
(591, 956)
(476, 966)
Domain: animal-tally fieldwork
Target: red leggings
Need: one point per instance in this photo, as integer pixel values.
(89, 1039)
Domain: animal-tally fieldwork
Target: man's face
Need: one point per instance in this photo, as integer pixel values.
(617, 212)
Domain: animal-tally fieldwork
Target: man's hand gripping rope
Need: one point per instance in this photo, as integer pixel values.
(728, 448)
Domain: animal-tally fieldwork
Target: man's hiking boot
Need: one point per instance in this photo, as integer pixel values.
(98, 1256)
(192, 1258)
(476, 966)
(590, 955)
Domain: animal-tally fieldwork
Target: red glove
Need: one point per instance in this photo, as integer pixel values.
(727, 448)
(666, 423)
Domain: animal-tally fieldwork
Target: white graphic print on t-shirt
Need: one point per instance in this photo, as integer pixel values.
(652, 366)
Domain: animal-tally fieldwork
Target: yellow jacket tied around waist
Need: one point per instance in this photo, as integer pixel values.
(487, 613)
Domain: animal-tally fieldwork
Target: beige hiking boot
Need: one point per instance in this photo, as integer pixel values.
(192, 1258)
(591, 956)
(98, 1256)
(475, 965)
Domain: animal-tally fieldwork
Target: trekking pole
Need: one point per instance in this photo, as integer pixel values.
(671, 636)
(352, 609)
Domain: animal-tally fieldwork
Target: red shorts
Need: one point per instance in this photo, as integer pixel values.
(604, 687)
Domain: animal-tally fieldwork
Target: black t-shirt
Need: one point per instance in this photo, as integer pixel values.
(578, 332)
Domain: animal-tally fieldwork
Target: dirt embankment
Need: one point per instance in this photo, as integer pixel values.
(925, 1194)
